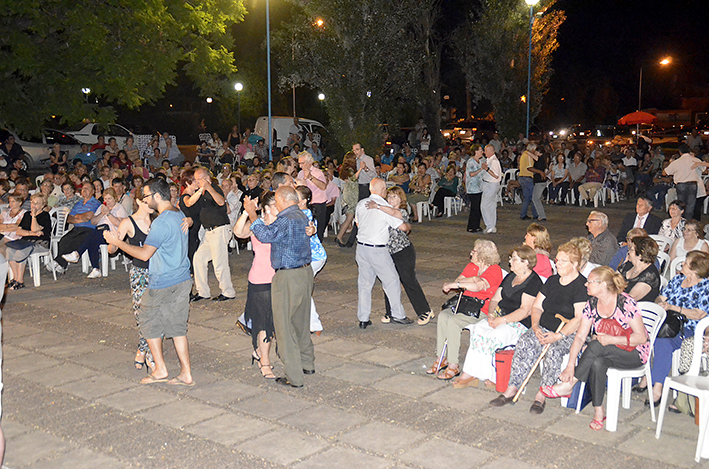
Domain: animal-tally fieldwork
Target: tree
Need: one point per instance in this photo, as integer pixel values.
(124, 51)
(363, 58)
(492, 50)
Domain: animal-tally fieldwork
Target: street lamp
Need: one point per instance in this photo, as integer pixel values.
(268, 68)
(531, 4)
(663, 62)
(238, 87)
(321, 97)
(86, 92)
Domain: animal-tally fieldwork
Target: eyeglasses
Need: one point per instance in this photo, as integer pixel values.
(592, 220)
(148, 195)
(593, 281)
(561, 261)
(514, 258)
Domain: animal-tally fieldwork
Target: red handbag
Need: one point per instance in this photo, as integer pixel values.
(610, 326)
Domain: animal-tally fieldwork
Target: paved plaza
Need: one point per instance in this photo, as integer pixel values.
(72, 397)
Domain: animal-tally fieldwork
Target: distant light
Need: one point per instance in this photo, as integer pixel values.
(321, 96)
(446, 97)
(369, 94)
(531, 3)
(209, 100)
(170, 105)
(551, 133)
(86, 90)
(666, 61)
(633, 132)
(523, 98)
(319, 22)
(562, 132)
(238, 86)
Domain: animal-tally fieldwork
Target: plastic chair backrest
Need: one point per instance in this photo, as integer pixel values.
(59, 216)
(698, 344)
(653, 318)
(664, 260)
(662, 241)
(676, 265)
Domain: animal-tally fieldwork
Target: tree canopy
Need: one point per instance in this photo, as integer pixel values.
(124, 51)
(492, 50)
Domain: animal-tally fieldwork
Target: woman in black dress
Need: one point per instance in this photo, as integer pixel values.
(191, 206)
(639, 271)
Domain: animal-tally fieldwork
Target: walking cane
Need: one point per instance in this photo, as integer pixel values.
(440, 360)
(539, 359)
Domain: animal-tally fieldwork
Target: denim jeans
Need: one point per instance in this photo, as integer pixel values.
(687, 193)
(527, 184)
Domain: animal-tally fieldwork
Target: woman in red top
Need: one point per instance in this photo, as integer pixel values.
(480, 279)
(537, 238)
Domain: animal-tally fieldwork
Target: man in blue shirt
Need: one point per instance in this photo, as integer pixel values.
(292, 286)
(165, 305)
(80, 215)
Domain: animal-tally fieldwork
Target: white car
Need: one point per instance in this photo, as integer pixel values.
(36, 149)
(88, 133)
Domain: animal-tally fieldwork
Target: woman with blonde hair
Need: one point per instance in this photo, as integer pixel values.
(537, 238)
(584, 247)
(625, 346)
(404, 256)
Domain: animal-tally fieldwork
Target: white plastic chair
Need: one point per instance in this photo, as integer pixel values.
(57, 216)
(653, 318)
(664, 260)
(422, 209)
(59, 230)
(675, 266)
(694, 385)
(663, 242)
(451, 205)
(86, 263)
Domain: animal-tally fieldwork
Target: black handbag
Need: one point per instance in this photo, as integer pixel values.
(673, 325)
(466, 305)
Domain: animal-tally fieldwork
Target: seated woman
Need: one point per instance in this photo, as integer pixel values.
(692, 240)
(630, 350)
(537, 238)
(584, 246)
(447, 187)
(560, 177)
(688, 294)
(400, 177)
(10, 219)
(511, 306)
(563, 294)
(34, 231)
(480, 279)
(621, 256)
(643, 278)
(672, 227)
(420, 186)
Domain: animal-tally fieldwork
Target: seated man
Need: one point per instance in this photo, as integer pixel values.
(603, 244)
(80, 215)
(642, 218)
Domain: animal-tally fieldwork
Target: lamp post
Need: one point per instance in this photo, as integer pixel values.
(663, 62)
(268, 68)
(238, 87)
(321, 98)
(531, 4)
(87, 92)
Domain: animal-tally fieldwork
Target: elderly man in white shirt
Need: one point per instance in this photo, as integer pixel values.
(373, 258)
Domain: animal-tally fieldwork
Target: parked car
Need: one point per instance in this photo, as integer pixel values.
(470, 130)
(37, 148)
(282, 124)
(88, 133)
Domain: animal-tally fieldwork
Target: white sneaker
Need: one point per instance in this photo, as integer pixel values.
(72, 257)
(94, 274)
(57, 268)
(491, 230)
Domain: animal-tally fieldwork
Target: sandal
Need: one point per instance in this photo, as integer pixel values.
(449, 373)
(549, 391)
(461, 382)
(269, 371)
(597, 424)
(18, 285)
(138, 363)
(435, 370)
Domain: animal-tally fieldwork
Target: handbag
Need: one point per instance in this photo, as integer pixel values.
(466, 305)
(612, 327)
(673, 325)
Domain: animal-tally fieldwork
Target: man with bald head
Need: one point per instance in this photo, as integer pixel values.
(292, 285)
(373, 258)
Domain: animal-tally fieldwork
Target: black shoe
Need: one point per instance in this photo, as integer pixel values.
(308, 372)
(657, 403)
(524, 218)
(284, 381)
(638, 389)
(477, 230)
(364, 324)
(402, 321)
(537, 408)
(196, 298)
(221, 297)
(501, 400)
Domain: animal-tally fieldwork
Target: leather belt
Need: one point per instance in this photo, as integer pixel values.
(293, 268)
(373, 245)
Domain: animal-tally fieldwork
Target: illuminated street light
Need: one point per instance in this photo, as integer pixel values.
(238, 87)
(86, 92)
(531, 4)
(321, 96)
(666, 61)
(319, 22)
(209, 100)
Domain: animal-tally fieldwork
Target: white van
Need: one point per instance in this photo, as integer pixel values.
(281, 125)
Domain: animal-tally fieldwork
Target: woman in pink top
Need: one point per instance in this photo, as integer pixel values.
(537, 238)
(258, 296)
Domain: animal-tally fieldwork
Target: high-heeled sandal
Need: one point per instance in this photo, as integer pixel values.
(269, 374)
(139, 364)
(255, 358)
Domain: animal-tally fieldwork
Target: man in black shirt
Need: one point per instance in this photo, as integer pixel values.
(215, 220)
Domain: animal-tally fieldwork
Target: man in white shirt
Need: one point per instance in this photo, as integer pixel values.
(373, 258)
(365, 167)
(685, 178)
(492, 175)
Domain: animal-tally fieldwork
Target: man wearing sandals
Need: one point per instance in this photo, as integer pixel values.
(166, 302)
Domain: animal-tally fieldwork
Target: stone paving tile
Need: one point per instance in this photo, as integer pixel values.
(232, 343)
(58, 375)
(10, 351)
(326, 361)
(668, 449)
(12, 429)
(221, 322)
(40, 340)
(467, 399)
(81, 458)
(343, 348)
(382, 438)
(359, 373)
(97, 385)
(229, 429)
(344, 458)
(28, 363)
(594, 456)
(576, 426)
(13, 330)
(283, 446)
(519, 413)
(447, 455)
(223, 392)
(31, 447)
(409, 385)
(507, 463)
(271, 405)
(198, 334)
(71, 349)
(680, 425)
(137, 398)
(385, 356)
(104, 357)
(180, 413)
(323, 420)
(123, 318)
